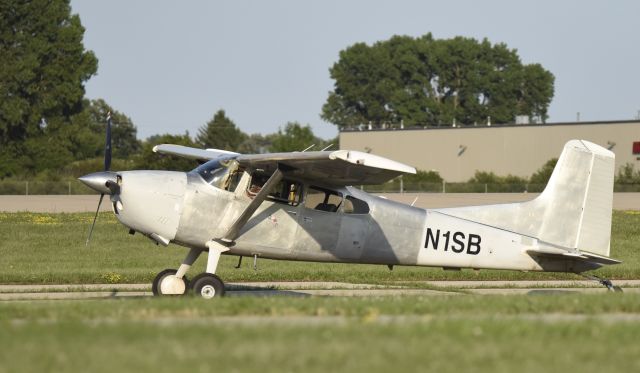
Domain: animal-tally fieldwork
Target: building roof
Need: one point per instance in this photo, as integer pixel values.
(396, 127)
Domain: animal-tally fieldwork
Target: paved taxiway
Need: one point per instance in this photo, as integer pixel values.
(306, 289)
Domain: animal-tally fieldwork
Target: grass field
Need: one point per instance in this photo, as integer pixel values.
(534, 333)
(49, 248)
(586, 333)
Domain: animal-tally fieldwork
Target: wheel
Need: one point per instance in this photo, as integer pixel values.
(166, 283)
(208, 286)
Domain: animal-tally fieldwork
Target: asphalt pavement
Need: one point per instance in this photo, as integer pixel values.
(331, 289)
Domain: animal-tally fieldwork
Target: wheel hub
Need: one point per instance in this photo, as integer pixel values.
(208, 292)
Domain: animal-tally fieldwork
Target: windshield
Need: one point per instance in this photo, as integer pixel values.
(214, 172)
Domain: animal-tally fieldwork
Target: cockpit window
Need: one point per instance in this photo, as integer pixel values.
(216, 172)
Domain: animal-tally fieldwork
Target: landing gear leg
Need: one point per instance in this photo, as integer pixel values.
(173, 282)
(604, 282)
(207, 284)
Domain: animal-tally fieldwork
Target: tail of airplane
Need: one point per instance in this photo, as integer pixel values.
(578, 199)
(572, 216)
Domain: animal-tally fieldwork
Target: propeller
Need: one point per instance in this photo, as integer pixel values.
(107, 166)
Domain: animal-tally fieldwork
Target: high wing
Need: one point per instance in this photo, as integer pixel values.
(340, 167)
(192, 153)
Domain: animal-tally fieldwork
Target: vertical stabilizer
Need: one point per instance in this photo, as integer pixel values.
(574, 210)
(582, 186)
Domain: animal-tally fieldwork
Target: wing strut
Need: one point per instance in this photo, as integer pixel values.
(232, 232)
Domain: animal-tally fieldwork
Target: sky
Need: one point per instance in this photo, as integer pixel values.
(170, 65)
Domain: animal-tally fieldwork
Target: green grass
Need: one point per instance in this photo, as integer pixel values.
(194, 308)
(586, 333)
(49, 248)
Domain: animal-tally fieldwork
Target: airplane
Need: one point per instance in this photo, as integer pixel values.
(302, 206)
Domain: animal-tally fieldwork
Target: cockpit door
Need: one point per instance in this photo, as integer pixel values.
(319, 224)
(272, 228)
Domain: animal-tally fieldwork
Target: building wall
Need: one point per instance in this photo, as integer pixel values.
(516, 150)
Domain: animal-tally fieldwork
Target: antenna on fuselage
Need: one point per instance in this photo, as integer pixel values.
(326, 147)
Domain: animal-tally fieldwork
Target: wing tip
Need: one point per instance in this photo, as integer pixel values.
(372, 160)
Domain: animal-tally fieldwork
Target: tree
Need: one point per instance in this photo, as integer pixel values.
(541, 177)
(44, 66)
(423, 177)
(424, 81)
(86, 132)
(627, 174)
(536, 91)
(295, 137)
(256, 144)
(220, 133)
(123, 131)
(484, 177)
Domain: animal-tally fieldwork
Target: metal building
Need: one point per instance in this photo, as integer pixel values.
(457, 153)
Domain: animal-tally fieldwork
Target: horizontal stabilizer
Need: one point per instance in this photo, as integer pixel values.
(564, 254)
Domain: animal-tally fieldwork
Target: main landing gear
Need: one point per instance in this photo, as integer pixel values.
(207, 284)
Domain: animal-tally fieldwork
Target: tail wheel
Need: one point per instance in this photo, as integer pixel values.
(208, 286)
(166, 283)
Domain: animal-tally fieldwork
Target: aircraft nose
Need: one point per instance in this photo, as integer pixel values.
(104, 182)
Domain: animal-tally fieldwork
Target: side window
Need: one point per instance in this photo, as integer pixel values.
(322, 199)
(286, 191)
(355, 206)
(257, 181)
(234, 180)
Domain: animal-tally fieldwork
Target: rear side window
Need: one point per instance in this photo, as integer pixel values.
(322, 199)
(353, 205)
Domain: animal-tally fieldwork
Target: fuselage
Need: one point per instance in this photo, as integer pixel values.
(344, 224)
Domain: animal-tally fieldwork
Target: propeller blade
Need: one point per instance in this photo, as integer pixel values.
(94, 219)
(107, 145)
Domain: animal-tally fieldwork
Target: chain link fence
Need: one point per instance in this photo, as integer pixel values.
(445, 187)
(44, 188)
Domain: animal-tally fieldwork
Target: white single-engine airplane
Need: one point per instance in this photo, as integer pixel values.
(299, 206)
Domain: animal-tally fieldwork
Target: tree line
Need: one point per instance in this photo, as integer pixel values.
(425, 81)
(48, 128)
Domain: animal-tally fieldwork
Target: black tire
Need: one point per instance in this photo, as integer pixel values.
(155, 286)
(207, 286)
